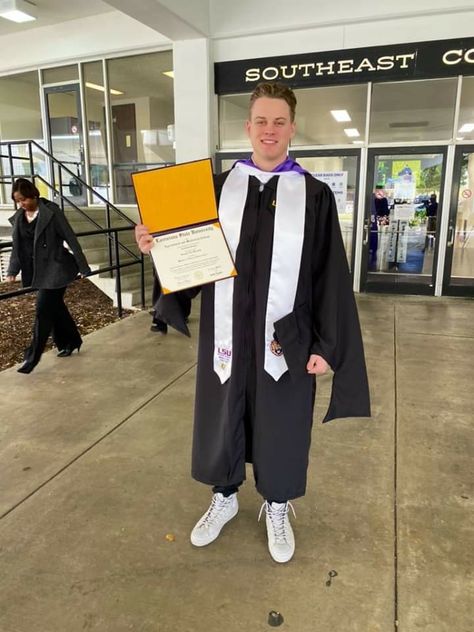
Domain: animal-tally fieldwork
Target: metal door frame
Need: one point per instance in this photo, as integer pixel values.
(448, 288)
(385, 286)
(68, 86)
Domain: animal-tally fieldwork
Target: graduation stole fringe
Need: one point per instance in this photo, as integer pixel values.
(288, 236)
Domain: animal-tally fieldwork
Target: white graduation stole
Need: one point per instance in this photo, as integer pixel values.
(288, 236)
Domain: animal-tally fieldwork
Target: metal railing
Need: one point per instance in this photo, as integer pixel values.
(110, 209)
(115, 265)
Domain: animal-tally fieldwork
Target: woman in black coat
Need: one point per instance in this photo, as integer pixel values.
(39, 232)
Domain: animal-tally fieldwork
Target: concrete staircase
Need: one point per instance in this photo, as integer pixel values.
(95, 248)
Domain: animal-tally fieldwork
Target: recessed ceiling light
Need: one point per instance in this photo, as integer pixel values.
(169, 73)
(351, 132)
(358, 142)
(18, 10)
(466, 128)
(96, 86)
(341, 116)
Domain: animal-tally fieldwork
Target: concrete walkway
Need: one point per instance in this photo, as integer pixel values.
(94, 475)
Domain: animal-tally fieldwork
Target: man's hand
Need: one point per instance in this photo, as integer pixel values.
(143, 238)
(10, 279)
(317, 365)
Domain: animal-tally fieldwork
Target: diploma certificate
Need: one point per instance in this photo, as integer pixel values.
(178, 205)
(190, 257)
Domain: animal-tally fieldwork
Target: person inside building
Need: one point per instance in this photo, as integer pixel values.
(287, 317)
(431, 206)
(381, 204)
(39, 230)
(379, 216)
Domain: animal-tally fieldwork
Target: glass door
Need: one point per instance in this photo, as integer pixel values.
(63, 109)
(459, 264)
(403, 208)
(339, 169)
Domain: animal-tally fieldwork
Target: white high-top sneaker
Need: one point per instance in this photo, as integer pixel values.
(281, 539)
(221, 510)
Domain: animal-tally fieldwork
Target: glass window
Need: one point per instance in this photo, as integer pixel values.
(324, 116)
(20, 119)
(142, 103)
(465, 130)
(332, 115)
(340, 173)
(96, 129)
(63, 74)
(233, 112)
(413, 111)
(462, 271)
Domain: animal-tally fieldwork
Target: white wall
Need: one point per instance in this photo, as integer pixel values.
(106, 34)
(194, 12)
(245, 17)
(193, 86)
(317, 29)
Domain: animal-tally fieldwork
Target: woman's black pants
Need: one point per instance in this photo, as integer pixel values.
(52, 317)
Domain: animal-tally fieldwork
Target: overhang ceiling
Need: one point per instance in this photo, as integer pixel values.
(52, 12)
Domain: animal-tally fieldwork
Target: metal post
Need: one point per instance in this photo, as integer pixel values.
(142, 274)
(107, 225)
(61, 188)
(118, 281)
(32, 167)
(10, 160)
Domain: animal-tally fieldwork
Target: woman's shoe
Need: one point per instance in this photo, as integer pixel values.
(65, 353)
(27, 367)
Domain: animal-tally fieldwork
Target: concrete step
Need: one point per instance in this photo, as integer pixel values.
(99, 254)
(130, 281)
(132, 300)
(129, 270)
(101, 241)
(96, 213)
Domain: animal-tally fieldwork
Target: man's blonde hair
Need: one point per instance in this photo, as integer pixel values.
(274, 91)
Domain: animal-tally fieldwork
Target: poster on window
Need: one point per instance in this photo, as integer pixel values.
(337, 182)
(402, 241)
(405, 175)
(404, 211)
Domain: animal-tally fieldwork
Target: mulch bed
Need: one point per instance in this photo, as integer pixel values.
(90, 308)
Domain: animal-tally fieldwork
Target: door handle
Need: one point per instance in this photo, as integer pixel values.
(450, 235)
(366, 233)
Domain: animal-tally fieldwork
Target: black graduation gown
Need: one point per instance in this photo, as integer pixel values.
(252, 417)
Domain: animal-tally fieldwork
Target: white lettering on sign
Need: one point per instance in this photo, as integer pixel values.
(339, 67)
(456, 56)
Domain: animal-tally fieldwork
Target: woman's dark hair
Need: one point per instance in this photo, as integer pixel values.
(26, 188)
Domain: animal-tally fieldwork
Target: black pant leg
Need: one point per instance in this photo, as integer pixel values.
(43, 325)
(65, 332)
(227, 490)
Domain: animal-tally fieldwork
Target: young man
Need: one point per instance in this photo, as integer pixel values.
(288, 315)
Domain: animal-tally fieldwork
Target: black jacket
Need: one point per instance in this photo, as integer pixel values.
(53, 265)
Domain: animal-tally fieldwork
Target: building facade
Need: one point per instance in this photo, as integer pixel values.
(385, 114)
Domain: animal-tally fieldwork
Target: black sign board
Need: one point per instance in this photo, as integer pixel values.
(422, 60)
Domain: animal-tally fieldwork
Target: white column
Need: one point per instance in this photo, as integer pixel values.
(193, 87)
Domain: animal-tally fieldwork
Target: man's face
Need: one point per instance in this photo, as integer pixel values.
(270, 130)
